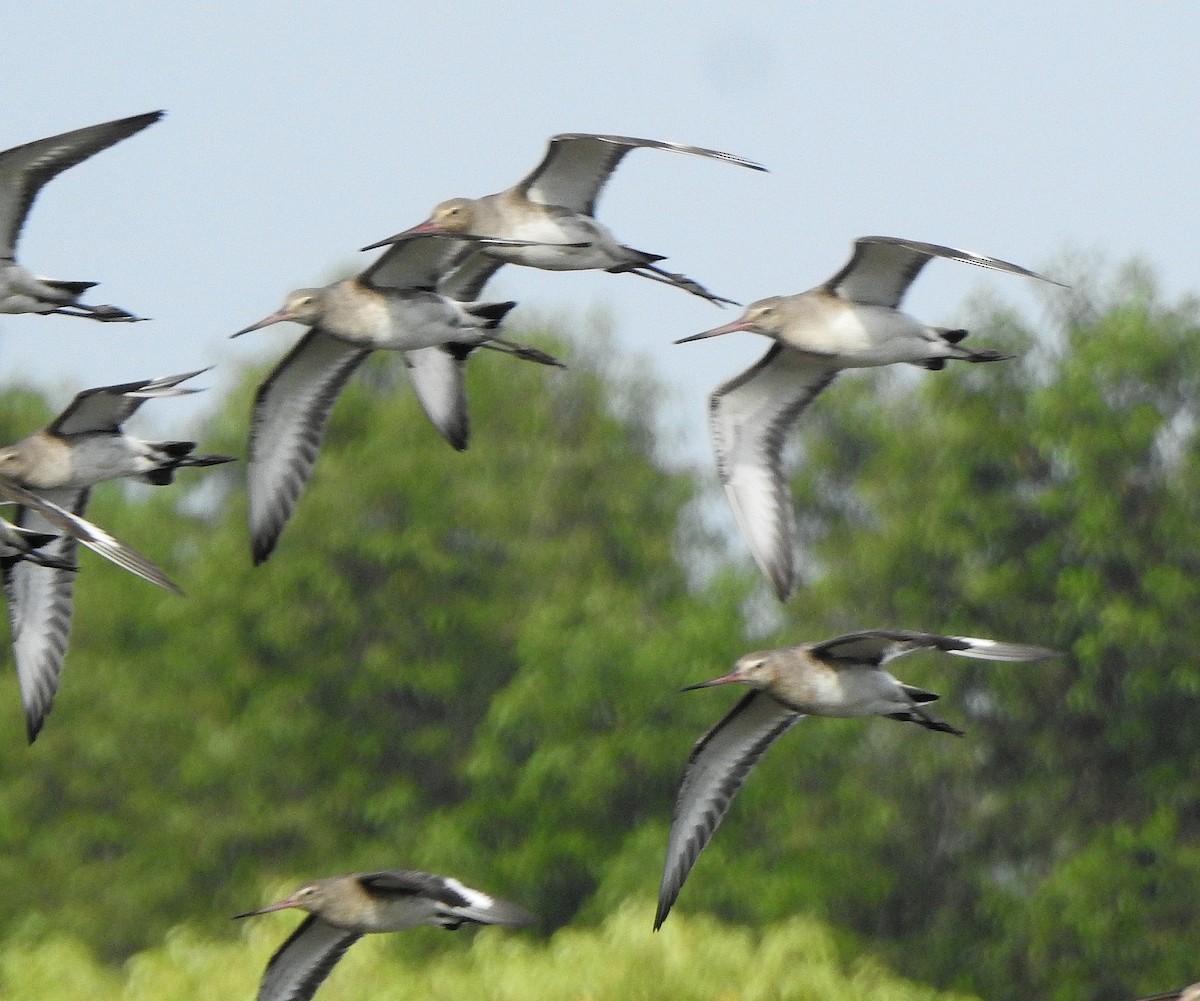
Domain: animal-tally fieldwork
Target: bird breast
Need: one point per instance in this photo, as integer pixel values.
(41, 462)
(557, 229)
(355, 312)
(865, 336)
(95, 458)
(821, 690)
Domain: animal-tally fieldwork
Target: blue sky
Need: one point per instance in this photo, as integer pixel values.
(297, 132)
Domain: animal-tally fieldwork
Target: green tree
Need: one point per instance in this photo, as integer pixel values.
(458, 662)
(1054, 500)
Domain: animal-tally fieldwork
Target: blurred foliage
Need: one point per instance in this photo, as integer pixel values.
(696, 959)
(466, 663)
(459, 662)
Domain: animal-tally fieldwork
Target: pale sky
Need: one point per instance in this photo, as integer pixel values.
(297, 132)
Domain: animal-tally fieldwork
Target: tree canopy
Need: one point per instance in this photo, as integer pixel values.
(467, 663)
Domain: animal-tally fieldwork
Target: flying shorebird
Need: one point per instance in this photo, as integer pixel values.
(23, 171)
(418, 298)
(553, 208)
(341, 909)
(851, 321)
(841, 677)
(83, 446)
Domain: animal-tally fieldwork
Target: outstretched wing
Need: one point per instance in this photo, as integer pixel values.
(749, 420)
(878, 646)
(39, 612)
(882, 268)
(287, 425)
(439, 379)
(716, 769)
(25, 169)
(106, 408)
(302, 963)
(578, 164)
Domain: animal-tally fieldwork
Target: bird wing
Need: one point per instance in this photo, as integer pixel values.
(106, 408)
(39, 612)
(301, 964)
(438, 376)
(454, 901)
(468, 274)
(878, 646)
(25, 169)
(18, 543)
(433, 261)
(67, 522)
(578, 164)
(287, 424)
(749, 418)
(716, 769)
(882, 268)
(414, 262)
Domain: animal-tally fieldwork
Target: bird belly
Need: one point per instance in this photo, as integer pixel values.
(425, 319)
(22, 292)
(399, 915)
(877, 335)
(96, 458)
(557, 236)
(851, 692)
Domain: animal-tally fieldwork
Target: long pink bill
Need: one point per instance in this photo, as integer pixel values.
(725, 679)
(431, 228)
(728, 328)
(279, 317)
(283, 905)
(426, 228)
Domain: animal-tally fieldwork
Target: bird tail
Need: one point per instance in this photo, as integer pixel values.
(949, 341)
(492, 312)
(69, 288)
(920, 715)
(495, 912)
(175, 455)
(646, 259)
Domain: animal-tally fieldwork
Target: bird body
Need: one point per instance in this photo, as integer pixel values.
(840, 677)
(343, 908)
(86, 444)
(50, 475)
(419, 298)
(23, 172)
(398, 319)
(813, 686)
(559, 239)
(554, 207)
(846, 334)
(850, 321)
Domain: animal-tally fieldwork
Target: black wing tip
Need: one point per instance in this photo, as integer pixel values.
(147, 118)
(784, 585)
(261, 550)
